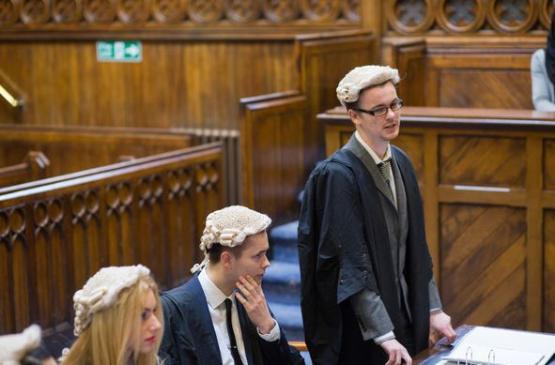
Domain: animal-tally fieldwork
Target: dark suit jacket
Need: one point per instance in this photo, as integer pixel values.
(189, 336)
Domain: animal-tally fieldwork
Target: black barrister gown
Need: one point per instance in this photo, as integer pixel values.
(344, 248)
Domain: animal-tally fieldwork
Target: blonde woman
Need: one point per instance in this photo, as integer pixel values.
(118, 319)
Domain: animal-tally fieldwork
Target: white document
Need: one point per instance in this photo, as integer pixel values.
(487, 346)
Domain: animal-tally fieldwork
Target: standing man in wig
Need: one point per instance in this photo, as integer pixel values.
(368, 295)
(221, 316)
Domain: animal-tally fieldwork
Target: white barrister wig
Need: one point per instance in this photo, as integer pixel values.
(359, 78)
(102, 290)
(230, 227)
(14, 347)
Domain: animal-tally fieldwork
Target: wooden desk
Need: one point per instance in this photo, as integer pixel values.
(488, 184)
(434, 355)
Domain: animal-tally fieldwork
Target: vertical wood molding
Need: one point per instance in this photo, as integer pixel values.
(534, 237)
(372, 20)
(431, 203)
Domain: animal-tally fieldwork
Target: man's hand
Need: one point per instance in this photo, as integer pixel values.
(440, 325)
(251, 296)
(397, 353)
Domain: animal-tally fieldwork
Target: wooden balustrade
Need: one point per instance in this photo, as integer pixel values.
(54, 236)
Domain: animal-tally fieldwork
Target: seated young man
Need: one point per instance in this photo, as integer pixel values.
(221, 316)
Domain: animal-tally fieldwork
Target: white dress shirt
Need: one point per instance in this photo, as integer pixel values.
(216, 307)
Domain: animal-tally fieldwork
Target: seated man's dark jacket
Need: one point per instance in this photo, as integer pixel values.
(189, 336)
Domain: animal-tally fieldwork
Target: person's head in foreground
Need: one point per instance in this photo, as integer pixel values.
(235, 244)
(118, 319)
(369, 95)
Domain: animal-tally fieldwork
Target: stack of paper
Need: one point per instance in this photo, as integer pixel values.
(487, 346)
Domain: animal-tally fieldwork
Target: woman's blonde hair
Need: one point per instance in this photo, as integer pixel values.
(113, 336)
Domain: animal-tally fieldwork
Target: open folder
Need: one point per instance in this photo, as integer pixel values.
(489, 346)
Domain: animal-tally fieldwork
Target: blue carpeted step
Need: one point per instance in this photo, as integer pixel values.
(290, 320)
(284, 242)
(282, 283)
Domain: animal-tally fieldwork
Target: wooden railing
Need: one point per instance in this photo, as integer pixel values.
(52, 237)
(33, 167)
(488, 184)
(76, 148)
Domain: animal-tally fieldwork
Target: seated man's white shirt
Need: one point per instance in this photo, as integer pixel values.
(215, 299)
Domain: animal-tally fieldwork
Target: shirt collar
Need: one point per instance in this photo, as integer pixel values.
(369, 149)
(214, 296)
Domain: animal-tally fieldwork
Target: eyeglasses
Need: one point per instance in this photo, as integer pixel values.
(382, 110)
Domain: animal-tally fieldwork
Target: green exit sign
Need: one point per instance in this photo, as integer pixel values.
(119, 51)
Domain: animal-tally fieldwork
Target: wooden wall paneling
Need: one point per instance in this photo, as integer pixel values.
(502, 160)
(549, 272)
(427, 173)
(187, 83)
(548, 151)
(488, 241)
(478, 73)
(273, 168)
(464, 71)
(547, 184)
(481, 17)
(324, 60)
(534, 230)
(408, 55)
(168, 18)
(432, 85)
(12, 99)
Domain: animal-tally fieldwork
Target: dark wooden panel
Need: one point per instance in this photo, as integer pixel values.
(472, 72)
(486, 161)
(413, 145)
(273, 171)
(53, 237)
(483, 264)
(170, 18)
(549, 272)
(508, 89)
(549, 164)
(323, 62)
(480, 17)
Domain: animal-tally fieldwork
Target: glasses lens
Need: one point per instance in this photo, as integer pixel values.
(380, 111)
(396, 105)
